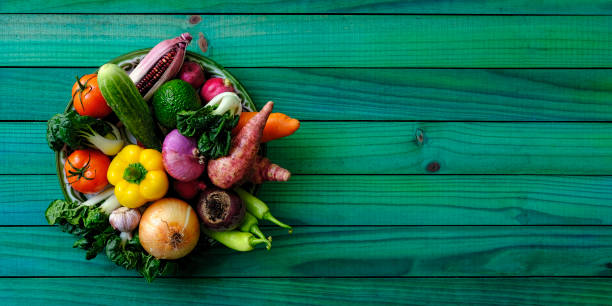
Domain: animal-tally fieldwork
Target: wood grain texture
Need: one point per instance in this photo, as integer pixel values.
(384, 200)
(347, 251)
(318, 41)
(373, 94)
(317, 6)
(390, 148)
(300, 291)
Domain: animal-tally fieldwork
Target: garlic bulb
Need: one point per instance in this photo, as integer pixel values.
(125, 220)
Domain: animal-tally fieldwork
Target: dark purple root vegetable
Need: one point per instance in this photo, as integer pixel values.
(220, 210)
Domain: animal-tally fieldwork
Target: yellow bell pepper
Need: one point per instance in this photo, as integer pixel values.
(138, 175)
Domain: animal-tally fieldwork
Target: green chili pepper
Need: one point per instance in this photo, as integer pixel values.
(258, 208)
(239, 241)
(249, 225)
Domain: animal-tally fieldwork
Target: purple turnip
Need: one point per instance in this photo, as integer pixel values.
(220, 210)
(180, 157)
(215, 86)
(192, 73)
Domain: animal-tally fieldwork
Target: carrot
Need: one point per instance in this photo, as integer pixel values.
(278, 125)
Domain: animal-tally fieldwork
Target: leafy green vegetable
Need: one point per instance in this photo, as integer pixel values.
(87, 222)
(90, 224)
(192, 123)
(214, 132)
(78, 131)
(133, 256)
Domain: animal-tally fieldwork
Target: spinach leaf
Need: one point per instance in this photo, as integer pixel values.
(131, 255)
(214, 132)
(95, 234)
(192, 123)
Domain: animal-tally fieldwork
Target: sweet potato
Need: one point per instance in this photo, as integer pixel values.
(264, 170)
(227, 171)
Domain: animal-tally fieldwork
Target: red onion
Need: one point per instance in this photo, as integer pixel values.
(180, 157)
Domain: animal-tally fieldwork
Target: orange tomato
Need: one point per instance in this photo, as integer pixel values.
(86, 170)
(87, 98)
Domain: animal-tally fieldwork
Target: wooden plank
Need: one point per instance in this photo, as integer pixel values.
(301, 291)
(318, 40)
(313, 7)
(347, 251)
(384, 200)
(390, 148)
(374, 94)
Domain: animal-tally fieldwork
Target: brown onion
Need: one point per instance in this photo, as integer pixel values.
(169, 229)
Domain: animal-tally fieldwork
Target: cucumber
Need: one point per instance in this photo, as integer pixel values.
(124, 99)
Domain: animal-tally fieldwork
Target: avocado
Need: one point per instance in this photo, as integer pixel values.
(172, 97)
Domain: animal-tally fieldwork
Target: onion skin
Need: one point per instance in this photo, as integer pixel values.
(169, 229)
(230, 204)
(180, 157)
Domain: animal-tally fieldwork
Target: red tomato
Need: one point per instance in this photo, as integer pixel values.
(87, 98)
(86, 170)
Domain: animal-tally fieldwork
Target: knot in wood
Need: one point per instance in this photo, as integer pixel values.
(433, 166)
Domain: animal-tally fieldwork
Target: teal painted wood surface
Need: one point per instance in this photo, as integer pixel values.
(392, 148)
(385, 200)
(347, 251)
(375, 94)
(319, 7)
(307, 291)
(351, 225)
(318, 41)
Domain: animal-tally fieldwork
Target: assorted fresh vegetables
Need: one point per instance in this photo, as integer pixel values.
(130, 211)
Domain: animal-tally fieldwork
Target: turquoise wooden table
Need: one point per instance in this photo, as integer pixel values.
(450, 151)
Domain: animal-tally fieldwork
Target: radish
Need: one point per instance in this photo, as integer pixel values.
(230, 170)
(215, 86)
(192, 73)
